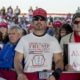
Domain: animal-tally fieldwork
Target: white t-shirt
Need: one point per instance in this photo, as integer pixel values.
(38, 51)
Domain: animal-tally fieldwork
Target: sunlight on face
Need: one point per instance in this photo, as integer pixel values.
(39, 25)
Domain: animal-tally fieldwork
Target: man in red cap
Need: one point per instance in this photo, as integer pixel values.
(40, 12)
(37, 49)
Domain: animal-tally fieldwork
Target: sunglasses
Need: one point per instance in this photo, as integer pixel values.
(39, 18)
(76, 22)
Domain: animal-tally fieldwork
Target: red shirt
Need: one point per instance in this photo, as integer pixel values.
(76, 37)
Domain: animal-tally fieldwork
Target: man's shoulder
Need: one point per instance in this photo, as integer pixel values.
(27, 35)
(51, 37)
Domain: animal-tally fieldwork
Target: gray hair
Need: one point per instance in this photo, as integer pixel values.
(17, 28)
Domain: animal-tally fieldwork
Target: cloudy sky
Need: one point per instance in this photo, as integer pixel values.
(52, 6)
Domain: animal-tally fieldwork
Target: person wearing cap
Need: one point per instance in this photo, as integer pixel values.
(73, 37)
(4, 32)
(57, 25)
(38, 49)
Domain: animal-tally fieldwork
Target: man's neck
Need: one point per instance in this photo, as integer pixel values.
(39, 33)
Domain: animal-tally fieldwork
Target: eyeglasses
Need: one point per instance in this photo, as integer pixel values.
(39, 18)
(76, 22)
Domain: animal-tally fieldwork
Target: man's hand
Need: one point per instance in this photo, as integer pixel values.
(51, 78)
(68, 67)
(22, 77)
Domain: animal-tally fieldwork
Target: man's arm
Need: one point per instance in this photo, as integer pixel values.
(58, 59)
(18, 63)
(19, 66)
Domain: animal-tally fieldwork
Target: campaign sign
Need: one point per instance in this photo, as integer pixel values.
(74, 55)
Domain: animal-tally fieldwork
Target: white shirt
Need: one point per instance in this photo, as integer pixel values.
(38, 51)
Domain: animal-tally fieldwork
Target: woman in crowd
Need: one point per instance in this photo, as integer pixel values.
(64, 30)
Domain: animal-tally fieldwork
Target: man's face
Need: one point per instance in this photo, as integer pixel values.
(76, 25)
(39, 23)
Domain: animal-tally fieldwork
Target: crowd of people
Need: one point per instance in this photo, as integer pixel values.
(35, 48)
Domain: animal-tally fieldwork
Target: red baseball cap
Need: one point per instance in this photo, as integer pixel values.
(40, 12)
(57, 24)
(4, 24)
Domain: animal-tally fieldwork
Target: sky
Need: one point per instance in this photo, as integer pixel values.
(51, 6)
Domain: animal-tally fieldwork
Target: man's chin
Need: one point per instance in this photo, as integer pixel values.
(39, 29)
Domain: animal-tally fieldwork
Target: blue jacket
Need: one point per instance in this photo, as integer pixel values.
(7, 56)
